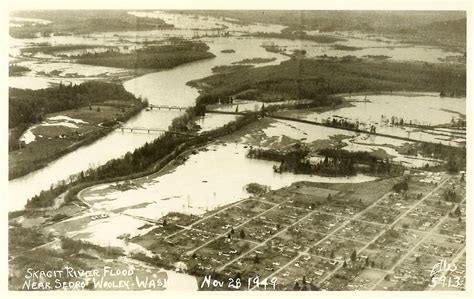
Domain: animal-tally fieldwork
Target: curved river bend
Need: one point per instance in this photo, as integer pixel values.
(160, 88)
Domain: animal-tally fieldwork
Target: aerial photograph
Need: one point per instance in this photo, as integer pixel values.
(237, 150)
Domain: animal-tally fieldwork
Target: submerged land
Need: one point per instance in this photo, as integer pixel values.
(344, 187)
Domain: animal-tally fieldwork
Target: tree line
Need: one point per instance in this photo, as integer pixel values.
(28, 106)
(336, 162)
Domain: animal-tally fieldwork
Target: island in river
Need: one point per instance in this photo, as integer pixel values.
(156, 57)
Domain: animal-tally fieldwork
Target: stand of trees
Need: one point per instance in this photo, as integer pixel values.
(336, 162)
(342, 123)
(451, 195)
(401, 186)
(17, 70)
(28, 106)
(314, 79)
(455, 156)
(150, 57)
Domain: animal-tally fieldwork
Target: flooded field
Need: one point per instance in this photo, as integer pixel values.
(181, 191)
(283, 133)
(376, 49)
(214, 121)
(208, 190)
(169, 87)
(156, 195)
(413, 111)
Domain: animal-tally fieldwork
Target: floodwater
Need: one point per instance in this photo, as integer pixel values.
(214, 121)
(160, 88)
(181, 190)
(184, 191)
(307, 133)
(426, 109)
(114, 145)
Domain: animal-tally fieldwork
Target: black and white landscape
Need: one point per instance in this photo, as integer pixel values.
(237, 150)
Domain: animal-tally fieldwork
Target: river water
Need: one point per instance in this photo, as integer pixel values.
(161, 194)
(165, 87)
(161, 88)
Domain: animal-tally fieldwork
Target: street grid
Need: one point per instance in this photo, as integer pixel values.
(297, 220)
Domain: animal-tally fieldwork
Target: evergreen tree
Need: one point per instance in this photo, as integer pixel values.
(329, 198)
(296, 287)
(354, 256)
(256, 260)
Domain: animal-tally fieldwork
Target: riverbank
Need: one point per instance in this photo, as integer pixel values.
(59, 132)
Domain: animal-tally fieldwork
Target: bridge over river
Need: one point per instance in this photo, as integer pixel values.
(167, 107)
(150, 130)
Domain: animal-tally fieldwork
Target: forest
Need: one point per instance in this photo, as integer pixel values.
(336, 162)
(293, 33)
(28, 106)
(150, 57)
(314, 78)
(17, 70)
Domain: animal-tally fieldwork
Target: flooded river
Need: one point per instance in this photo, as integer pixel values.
(181, 190)
(165, 87)
(184, 191)
(161, 88)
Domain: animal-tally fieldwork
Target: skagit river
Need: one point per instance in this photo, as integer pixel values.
(166, 87)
